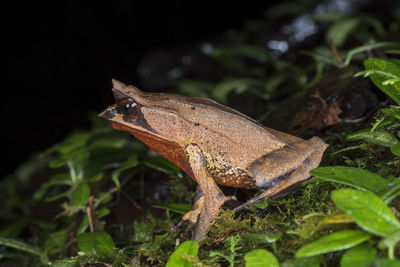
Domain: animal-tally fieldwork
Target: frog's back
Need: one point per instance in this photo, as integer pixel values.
(227, 126)
(230, 141)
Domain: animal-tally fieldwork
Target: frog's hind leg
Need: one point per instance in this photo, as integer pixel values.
(212, 194)
(297, 165)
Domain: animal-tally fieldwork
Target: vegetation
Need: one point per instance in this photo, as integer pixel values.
(59, 207)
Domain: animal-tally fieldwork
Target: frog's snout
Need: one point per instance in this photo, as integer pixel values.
(109, 112)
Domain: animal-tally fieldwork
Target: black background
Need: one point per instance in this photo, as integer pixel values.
(60, 57)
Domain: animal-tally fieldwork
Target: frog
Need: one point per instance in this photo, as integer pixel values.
(214, 145)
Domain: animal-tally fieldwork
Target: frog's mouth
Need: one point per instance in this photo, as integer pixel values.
(109, 113)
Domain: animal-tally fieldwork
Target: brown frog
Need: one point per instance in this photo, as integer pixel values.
(213, 144)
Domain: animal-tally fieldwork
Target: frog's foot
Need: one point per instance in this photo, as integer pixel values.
(193, 215)
(213, 196)
(299, 173)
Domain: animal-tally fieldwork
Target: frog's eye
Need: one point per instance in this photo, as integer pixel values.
(128, 107)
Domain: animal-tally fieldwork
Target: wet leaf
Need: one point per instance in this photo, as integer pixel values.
(356, 177)
(98, 242)
(180, 208)
(396, 149)
(377, 138)
(367, 210)
(80, 195)
(334, 242)
(392, 71)
(260, 258)
(361, 256)
(186, 248)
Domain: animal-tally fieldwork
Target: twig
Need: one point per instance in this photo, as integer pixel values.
(336, 53)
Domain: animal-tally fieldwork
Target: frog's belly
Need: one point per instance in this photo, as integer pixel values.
(224, 173)
(236, 178)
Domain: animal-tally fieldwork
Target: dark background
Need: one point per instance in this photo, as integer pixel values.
(60, 57)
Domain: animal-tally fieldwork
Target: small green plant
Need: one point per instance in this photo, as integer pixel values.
(232, 244)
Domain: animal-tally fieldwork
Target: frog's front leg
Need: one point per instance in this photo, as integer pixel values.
(285, 167)
(213, 196)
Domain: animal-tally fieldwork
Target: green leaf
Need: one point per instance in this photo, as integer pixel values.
(97, 242)
(223, 88)
(361, 256)
(356, 177)
(195, 88)
(80, 195)
(131, 162)
(260, 258)
(178, 257)
(70, 144)
(391, 191)
(390, 242)
(161, 164)
(85, 222)
(367, 47)
(339, 30)
(55, 242)
(367, 210)
(14, 229)
(12, 243)
(303, 262)
(386, 263)
(396, 149)
(95, 177)
(180, 208)
(284, 8)
(378, 138)
(109, 142)
(391, 112)
(65, 263)
(260, 238)
(58, 179)
(334, 242)
(391, 89)
(261, 205)
(142, 231)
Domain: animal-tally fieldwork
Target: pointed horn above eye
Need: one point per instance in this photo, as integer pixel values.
(126, 89)
(118, 85)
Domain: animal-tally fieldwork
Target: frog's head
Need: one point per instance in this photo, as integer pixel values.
(152, 118)
(139, 112)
